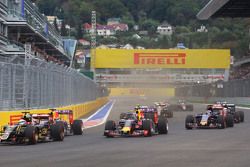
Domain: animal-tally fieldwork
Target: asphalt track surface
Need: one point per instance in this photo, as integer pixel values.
(180, 148)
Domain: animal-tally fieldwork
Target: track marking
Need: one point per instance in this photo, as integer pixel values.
(246, 108)
(99, 117)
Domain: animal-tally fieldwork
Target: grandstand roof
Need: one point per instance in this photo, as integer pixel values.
(225, 8)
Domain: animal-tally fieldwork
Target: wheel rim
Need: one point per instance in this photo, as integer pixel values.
(62, 135)
(36, 137)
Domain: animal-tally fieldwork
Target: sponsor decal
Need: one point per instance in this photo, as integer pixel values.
(136, 91)
(14, 119)
(159, 58)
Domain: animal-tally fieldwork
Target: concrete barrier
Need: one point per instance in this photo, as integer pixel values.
(240, 101)
(8, 117)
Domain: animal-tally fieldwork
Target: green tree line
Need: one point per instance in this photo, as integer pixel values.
(148, 14)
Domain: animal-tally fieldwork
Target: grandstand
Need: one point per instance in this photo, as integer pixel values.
(232, 9)
(35, 62)
(23, 27)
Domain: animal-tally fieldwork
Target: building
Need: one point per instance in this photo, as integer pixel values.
(202, 29)
(165, 29)
(24, 29)
(106, 30)
(112, 21)
(84, 42)
(119, 27)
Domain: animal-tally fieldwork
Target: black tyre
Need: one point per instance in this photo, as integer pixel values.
(220, 122)
(64, 125)
(230, 120)
(77, 127)
(146, 125)
(61, 123)
(241, 116)
(162, 126)
(57, 132)
(237, 117)
(171, 114)
(110, 125)
(189, 122)
(31, 134)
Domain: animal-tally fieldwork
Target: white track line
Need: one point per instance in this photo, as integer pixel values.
(246, 108)
(104, 119)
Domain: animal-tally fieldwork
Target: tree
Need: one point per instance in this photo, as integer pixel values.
(55, 25)
(79, 31)
(63, 29)
(150, 25)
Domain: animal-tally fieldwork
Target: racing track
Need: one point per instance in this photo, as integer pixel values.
(180, 148)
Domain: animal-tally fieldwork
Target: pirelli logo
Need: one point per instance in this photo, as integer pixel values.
(159, 58)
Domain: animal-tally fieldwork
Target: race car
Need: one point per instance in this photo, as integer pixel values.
(163, 110)
(238, 115)
(145, 122)
(181, 105)
(216, 117)
(65, 117)
(128, 115)
(33, 128)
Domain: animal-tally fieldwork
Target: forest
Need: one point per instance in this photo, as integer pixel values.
(226, 33)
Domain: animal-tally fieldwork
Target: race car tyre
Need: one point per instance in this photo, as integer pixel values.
(57, 132)
(237, 117)
(220, 122)
(170, 114)
(230, 120)
(162, 125)
(62, 124)
(31, 134)
(241, 116)
(77, 127)
(189, 121)
(110, 125)
(146, 125)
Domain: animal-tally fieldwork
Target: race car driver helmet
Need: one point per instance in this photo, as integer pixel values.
(209, 112)
(22, 122)
(27, 117)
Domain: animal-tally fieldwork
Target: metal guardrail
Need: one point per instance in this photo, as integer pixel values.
(38, 21)
(158, 78)
(38, 84)
(233, 88)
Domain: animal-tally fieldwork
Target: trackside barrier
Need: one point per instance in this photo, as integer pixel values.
(10, 117)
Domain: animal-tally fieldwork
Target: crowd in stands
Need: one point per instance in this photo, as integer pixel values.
(41, 54)
(38, 52)
(241, 72)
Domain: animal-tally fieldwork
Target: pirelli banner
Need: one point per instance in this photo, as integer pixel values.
(169, 58)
